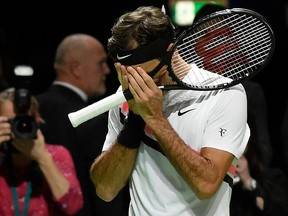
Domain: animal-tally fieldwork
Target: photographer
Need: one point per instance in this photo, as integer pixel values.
(35, 178)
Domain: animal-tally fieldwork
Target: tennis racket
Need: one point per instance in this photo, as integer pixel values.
(228, 46)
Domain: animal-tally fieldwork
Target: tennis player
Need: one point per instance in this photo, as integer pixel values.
(177, 150)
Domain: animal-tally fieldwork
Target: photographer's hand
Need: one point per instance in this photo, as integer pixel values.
(34, 149)
(5, 130)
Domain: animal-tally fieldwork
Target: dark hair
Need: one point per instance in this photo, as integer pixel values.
(139, 28)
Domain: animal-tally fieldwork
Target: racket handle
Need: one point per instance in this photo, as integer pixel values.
(99, 107)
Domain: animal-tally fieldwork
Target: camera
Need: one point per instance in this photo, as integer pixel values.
(23, 125)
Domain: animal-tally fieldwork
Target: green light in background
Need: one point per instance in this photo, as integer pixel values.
(183, 11)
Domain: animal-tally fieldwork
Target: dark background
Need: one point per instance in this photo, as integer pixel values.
(32, 33)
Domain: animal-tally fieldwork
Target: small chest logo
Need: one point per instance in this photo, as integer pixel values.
(222, 132)
(180, 113)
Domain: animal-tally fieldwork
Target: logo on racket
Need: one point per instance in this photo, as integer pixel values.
(123, 57)
(226, 44)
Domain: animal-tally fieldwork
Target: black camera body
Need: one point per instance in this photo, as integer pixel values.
(23, 125)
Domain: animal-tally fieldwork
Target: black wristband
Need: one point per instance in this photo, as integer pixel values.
(131, 134)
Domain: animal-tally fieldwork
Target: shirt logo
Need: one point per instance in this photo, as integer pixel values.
(222, 131)
(182, 113)
(123, 57)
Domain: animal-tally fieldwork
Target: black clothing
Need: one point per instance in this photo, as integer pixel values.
(284, 140)
(272, 186)
(258, 116)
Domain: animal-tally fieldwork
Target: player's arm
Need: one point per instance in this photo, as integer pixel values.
(111, 170)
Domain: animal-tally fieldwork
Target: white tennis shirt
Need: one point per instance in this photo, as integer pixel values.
(215, 119)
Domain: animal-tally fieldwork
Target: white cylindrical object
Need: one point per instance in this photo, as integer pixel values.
(95, 109)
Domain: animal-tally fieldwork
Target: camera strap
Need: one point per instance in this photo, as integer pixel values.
(14, 191)
(26, 200)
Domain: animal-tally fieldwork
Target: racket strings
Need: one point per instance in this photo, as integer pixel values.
(207, 53)
(216, 45)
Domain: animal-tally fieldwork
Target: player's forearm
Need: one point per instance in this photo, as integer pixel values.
(111, 170)
(199, 172)
(57, 182)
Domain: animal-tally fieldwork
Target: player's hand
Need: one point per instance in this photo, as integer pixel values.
(148, 97)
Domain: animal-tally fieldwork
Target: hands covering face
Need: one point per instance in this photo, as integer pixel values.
(147, 97)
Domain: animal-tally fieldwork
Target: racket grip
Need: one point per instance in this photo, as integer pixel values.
(78, 117)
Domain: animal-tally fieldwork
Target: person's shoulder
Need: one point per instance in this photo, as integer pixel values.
(59, 96)
(239, 88)
(53, 90)
(233, 98)
(45, 95)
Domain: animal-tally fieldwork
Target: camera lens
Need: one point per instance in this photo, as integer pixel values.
(24, 127)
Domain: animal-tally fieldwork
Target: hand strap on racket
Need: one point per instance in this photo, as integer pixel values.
(131, 134)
